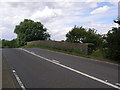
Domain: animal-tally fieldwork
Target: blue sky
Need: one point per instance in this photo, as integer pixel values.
(58, 17)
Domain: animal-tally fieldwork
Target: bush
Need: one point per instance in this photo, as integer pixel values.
(113, 44)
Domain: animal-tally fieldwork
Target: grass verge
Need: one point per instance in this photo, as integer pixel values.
(96, 55)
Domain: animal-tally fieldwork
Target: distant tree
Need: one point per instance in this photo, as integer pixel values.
(13, 43)
(113, 43)
(5, 43)
(92, 37)
(9, 44)
(62, 41)
(104, 41)
(29, 30)
(82, 35)
(76, 35)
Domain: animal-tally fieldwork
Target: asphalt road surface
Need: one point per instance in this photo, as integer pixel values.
(39, 68)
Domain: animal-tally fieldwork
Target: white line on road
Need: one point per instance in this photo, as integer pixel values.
(55, 61)
(117, 84)
(33, 52)
(69, 68)
(18, 79)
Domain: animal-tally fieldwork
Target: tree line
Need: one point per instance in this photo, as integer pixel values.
(28, 30)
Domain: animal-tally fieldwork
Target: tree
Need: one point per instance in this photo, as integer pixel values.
(113, 43)
(9, 44)
(29, 30)
(5, 43)
(92, 37)
(82, 35)
(76, 35)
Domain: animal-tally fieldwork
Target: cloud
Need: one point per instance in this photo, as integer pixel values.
(100, 10)
(46, 14)
(60, 34)
(7, 33)
(100, 27)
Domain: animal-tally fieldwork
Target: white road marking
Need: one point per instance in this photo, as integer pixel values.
(18, 79)
(106, 80)
(33, 52)
(69, 68)
(55, 61)
(117, 84)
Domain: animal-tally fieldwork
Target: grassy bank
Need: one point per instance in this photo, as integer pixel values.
(97, 55)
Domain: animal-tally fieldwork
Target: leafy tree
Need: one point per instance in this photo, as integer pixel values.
(5, 43)
(13, 43)
(104, 42)
(92, 37)
(82, 35)
(9, 44)
(76, 35)
(29, 30)
(113, 43)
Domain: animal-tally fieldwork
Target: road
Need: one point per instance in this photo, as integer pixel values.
(39, 68)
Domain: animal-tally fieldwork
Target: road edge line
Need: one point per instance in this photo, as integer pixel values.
(18, 80)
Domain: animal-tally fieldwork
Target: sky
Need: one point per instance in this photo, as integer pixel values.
(58, 16)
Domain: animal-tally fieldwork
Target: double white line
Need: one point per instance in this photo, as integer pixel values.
(69, 68)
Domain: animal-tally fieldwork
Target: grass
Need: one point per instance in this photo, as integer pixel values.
(97, 55)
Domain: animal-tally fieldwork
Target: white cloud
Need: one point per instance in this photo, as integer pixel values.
(7, 33)
(46, 14)
(100, 27)
(100, 10)
(60, 33)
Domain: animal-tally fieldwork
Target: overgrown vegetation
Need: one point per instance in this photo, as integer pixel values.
(112, 49)
(83, 35)
(9, 44)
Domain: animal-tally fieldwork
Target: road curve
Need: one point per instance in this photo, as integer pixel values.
(39, 68)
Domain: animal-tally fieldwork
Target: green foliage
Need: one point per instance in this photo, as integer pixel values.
(29, 30)
(76, 35)
(104, 42)
(92, 37)
(9, 44)
(98, 53)
(82, 35)
(113, 43)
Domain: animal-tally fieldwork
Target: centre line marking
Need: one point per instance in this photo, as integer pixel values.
(55, 61)
(74, 70)
(117, 84)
